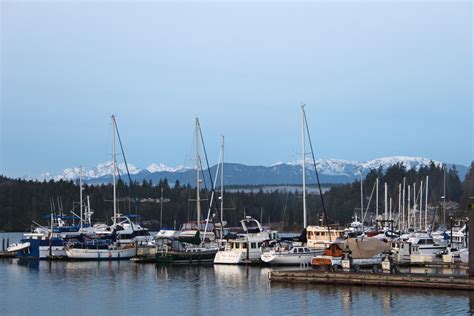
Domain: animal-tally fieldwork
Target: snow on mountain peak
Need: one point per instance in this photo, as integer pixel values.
(160, 168)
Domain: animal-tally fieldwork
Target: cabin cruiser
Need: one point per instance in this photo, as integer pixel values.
(205, 228)
(127, 230)
(246, 248)
(425, 244)
(292, 255)
(418, 249)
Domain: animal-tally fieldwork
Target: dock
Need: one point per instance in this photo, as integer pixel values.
(369, 279)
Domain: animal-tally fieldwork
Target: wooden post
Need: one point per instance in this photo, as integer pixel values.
(471, 242)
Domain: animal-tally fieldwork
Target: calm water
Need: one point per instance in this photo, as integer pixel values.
(126, 288)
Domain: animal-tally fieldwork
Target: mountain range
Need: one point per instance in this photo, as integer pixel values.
(330, 171)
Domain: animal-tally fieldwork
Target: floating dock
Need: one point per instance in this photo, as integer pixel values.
(391, 280)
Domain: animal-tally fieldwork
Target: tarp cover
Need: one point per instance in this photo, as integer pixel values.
(366, 247)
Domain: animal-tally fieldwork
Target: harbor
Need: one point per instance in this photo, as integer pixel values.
(236, 158)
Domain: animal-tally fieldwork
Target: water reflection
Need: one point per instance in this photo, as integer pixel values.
(125, 287)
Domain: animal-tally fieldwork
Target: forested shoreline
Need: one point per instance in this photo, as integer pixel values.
(24, 201)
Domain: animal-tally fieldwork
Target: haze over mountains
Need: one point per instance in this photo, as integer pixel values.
(330, 170)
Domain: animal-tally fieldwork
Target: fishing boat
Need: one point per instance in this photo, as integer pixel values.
(295, 256)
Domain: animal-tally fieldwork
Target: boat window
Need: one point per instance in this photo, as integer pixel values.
(306, 250)
(429, 241)
(244, 246)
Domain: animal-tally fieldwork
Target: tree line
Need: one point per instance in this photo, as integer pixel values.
(24, 201)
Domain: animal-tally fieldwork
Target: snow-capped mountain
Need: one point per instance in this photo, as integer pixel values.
(161, 167)
(330, 170)
(352, 167)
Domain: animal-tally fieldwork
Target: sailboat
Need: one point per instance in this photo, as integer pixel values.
(318, 237)
(91, 248)
(296, 255)
(193, 243)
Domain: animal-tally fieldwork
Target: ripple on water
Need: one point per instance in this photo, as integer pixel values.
(125, 287)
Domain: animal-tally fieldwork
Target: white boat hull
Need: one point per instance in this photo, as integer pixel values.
(287, 259)
(100, 254)
(56, 252)
(237, 257)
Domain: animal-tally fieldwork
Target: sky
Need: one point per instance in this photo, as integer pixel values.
(379, 78)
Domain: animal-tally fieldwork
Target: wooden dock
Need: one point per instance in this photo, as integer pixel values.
(391, 280)
(6, 254)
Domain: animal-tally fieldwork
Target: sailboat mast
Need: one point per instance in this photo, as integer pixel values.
(222, 181)
(113, 170)
(409, 206)
(403, 208)
(399, 206)
(414, 205)
(303, 165)
(421, 204)
(198, 169)
(361, 198)
(80, 192)
(426, 204)
(377, 199)
(386, 203)
(444, 196)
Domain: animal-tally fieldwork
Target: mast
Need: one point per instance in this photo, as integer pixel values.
(377, 199)
(222, 183)
(113, 170)
(303, 164)
(386, 203)
(390, 216)
(361, 199)
(88, 217)
(444, 196)
(399, 206)
(80, 192)
(421, 203)
(403, 210)
(409, 206)
(414, 205)
(198, 169)
(426, 204)
(161, 208)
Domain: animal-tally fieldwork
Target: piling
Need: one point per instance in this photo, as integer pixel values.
(471, 241)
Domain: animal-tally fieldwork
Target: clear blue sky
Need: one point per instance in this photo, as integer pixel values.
(379, 78)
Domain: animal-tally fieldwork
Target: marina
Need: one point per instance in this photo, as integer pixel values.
(236, 158)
